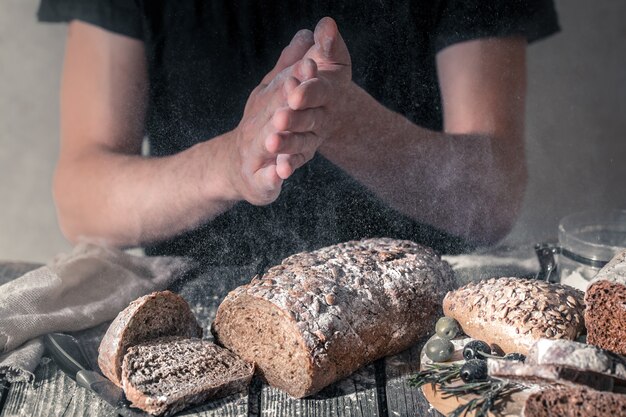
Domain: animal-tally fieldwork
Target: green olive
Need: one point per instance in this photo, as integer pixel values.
(447, 328)
(439, 350)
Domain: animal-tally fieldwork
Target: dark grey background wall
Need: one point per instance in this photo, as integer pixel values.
(576, 124)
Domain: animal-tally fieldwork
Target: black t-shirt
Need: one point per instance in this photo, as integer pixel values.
(205, 57)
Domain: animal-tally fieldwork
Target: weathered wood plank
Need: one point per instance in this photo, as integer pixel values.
(232, 406)
(4, 390)
(403, 399)
(52, 394)
(355, 396)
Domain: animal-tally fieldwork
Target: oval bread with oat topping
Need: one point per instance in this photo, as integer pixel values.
(513, 313)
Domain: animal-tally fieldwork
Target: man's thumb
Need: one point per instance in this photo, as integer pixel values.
(329, 44)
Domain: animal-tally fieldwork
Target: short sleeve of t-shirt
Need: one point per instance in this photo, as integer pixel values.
(462, 20)
(119, 16)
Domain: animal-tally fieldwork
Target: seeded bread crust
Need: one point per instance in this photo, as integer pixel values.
(144, 319)
(161, 381)
(334, 310)
(574, 402)
(606, 306)
(513, 313)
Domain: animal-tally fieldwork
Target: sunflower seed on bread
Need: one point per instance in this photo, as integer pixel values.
(513, 313)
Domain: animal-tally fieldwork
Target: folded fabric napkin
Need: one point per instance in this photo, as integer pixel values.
(75, 291)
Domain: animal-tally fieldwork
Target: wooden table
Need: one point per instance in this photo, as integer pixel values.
(380, 389)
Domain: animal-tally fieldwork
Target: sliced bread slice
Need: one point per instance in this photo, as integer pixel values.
(605, 315)
(152, 316)
(574, 402)
(166, 375)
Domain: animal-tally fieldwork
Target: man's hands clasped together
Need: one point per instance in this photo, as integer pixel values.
(297, 106)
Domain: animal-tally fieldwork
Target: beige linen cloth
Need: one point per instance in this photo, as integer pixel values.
(81, 289)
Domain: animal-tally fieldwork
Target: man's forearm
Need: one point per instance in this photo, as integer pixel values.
(468, 185)
(127, 200)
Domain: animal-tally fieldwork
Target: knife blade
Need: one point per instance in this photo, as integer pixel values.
(66, 352)
(109, 392)
(71, 359)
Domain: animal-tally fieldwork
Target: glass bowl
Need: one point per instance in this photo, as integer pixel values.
(588, 240)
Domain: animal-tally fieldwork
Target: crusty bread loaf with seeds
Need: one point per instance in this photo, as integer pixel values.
(167, 375)
(606, 306)
(321, 315)
(513, 313)
(152, 316)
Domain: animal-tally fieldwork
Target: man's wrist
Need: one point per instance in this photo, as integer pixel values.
(218, 182)
(348, 118)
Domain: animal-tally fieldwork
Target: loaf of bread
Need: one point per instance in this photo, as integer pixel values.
(574, 402)
(606, 306)
(513, 313)
(321, 315)
(167, 375)
(149, 317)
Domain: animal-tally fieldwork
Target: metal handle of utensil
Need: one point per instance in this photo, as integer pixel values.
(70, 357)
(548, 266)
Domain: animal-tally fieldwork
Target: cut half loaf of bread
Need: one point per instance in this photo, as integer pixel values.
(166, 375)
(152, 316)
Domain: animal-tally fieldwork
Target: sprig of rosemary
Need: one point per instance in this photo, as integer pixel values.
(487, 392)
(436, 374)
